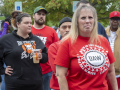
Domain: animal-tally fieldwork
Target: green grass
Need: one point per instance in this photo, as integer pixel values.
(2, 17)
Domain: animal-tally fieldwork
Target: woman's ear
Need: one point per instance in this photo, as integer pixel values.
(17, 24)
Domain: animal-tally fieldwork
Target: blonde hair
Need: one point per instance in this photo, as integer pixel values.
(74, 32)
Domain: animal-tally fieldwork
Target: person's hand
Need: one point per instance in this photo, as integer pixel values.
(7, 22)
(8, 19)
(40, 55)
(8, 70)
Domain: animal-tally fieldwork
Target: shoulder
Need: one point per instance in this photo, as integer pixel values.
(118, 29)
(107, 28)
(36, 37)
(65, 42)
(102, 39)
(6, 36)
(7, 39)
(100, 25)
(50, 28)
(101, 29)
(53, 48)
(55, 44)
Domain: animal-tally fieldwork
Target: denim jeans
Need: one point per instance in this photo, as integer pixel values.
(46, 80)
(3, 81)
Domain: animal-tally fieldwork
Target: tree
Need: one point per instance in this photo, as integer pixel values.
(57, 9)
(6, 8)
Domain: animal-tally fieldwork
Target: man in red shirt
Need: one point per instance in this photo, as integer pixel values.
(48, 36)
(64, 28)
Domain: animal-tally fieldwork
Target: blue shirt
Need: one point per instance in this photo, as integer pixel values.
(102, 31)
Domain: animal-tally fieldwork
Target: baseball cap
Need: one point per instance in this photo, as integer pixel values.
(114, 14)
(40, 8)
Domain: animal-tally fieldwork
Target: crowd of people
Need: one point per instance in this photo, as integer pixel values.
(84, 57)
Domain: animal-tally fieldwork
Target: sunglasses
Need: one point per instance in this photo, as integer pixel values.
(115, 19)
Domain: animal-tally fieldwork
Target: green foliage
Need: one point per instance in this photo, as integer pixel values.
(2, 17)
(57, 9)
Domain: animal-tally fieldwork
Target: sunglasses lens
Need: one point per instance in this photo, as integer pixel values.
(115, 19)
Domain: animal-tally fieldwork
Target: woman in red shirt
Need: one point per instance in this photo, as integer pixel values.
(84, 56)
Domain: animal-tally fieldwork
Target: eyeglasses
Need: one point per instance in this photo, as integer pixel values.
(66, 26)
(115, 19)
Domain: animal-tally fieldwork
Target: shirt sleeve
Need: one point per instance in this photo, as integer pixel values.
(2, 69)
(44, 55)
(55, 38)
(63, 57)
(52, 52)
(4, 29)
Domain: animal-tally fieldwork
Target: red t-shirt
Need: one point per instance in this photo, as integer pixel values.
(52, 52)
(48, 36)
(87, 63)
